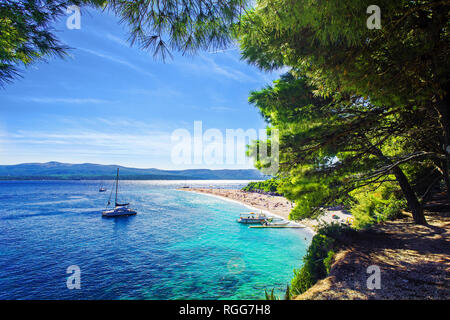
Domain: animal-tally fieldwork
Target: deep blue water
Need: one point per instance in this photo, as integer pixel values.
(180, 245)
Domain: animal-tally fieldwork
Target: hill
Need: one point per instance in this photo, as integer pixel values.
(89, 171)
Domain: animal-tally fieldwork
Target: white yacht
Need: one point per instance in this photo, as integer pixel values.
(120, 209)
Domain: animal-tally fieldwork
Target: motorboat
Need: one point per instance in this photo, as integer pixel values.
(252, 218)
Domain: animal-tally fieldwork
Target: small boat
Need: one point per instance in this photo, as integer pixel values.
(280, 223)
(278, 226)
(120, 209)
(274, 222)
(251, 217)
(101, 188)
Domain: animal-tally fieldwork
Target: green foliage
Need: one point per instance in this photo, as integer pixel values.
(317, 261)
(328, 261)
(406, 59)
(328, 147)
(26, 34)
(376, 206)
(185, 26)
(265, 153)
(270, 296)
(287, 294)
(270, 185)
(308, 191)
(303, 280)
(334, 230)
(313, 268)
(319, 257)
(360, 104)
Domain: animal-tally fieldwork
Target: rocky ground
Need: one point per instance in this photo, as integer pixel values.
(414, 262)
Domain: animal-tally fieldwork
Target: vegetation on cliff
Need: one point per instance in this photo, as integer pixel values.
(267, 186)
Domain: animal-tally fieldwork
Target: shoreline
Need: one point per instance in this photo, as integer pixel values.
(255, 202)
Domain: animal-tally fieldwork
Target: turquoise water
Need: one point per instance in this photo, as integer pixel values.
(181, 245)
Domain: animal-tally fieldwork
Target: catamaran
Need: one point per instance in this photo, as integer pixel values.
(120, 209)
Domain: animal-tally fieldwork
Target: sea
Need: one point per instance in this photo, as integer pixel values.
(180, 245)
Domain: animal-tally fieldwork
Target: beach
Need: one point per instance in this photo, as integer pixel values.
(274, 205)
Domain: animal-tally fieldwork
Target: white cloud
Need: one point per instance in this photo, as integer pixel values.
(95, 136)
(117, 60)
(222, 108)
(227, 71)
(95, 142)
(223, 50)
(207, 66)
(67, 100)
(164, 92)
(117, 40)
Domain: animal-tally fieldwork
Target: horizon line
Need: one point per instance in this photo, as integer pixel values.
(125, 166)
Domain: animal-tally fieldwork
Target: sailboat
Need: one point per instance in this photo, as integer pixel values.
(120, 209)
(101, 189)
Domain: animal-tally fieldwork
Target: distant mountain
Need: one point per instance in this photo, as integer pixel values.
(90, 171)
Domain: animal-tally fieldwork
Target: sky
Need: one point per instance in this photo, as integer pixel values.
(110, 103)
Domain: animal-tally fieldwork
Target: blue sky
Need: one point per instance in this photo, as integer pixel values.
(111, 104)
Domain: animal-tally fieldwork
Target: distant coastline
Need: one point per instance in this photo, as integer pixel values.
(97, 178)
(90, 171)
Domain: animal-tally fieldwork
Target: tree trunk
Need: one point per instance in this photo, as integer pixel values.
(408, 192)
(439, 16)
(429, 191)
(413, 203)
(446, 177)
(444, 119)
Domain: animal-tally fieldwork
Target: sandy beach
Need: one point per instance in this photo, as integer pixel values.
(274, 205)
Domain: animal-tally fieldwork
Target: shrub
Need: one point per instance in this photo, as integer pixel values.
(302, 280)
(376, 206)
(272, 296)
(319, 257)
(313, 267)
(270, 185)
(328, 261)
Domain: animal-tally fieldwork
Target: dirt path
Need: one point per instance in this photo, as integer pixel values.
(414, 262)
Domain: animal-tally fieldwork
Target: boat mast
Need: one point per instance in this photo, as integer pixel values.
(117, 183)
